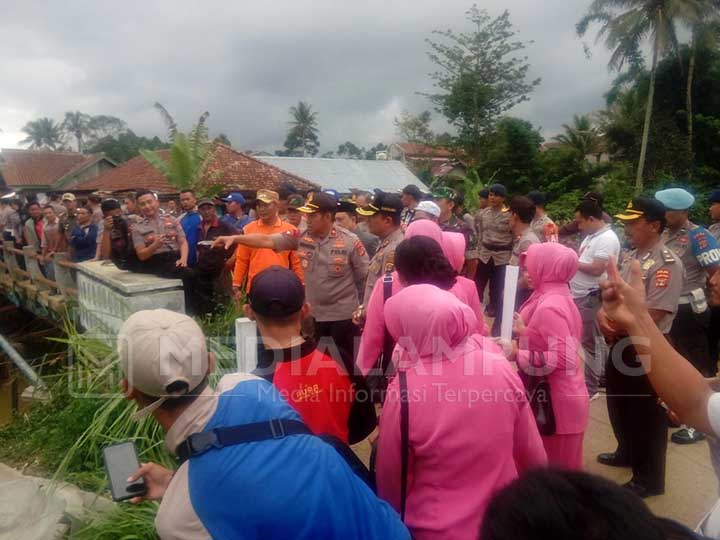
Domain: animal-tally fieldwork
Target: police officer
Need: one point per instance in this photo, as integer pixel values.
(495, 242)
(638, 420)
(698, 251)
(446, 198)
(383, 213)
(335, 266)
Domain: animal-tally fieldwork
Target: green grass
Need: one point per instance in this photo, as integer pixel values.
(64, 436)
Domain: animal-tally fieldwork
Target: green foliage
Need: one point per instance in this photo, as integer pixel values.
(76, 124)
(414, 128)
(126, 146)
(349, 150)
(302, 137)
(582, 137)
(480, 77)
(190, 155)
(123, 522)
(43, 133)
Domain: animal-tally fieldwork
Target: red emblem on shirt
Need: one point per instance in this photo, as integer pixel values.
(661, 278)
(360, 248)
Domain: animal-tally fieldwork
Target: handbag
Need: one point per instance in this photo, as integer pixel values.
(538, 393)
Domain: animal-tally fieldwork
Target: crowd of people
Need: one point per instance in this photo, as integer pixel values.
(392, 303)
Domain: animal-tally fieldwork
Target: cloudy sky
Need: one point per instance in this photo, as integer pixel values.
(359, 63)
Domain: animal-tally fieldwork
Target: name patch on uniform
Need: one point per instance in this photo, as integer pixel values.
(662, 277)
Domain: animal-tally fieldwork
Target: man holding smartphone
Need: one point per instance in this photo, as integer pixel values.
(289, 485)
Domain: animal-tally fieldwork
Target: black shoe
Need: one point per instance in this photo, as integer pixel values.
(687, 436)
(642, 491)
(611, 459)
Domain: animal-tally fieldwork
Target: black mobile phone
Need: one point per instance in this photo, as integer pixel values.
(120, 462)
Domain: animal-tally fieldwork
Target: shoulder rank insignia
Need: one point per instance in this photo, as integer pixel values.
(668, 256)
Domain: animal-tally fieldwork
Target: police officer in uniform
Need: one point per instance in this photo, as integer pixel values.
(495, 242)
(335, 266)
(446, 198)
(383, 214)
(698, 251)
(638, 420)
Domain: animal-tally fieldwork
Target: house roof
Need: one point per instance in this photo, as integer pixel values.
(229, 168)
(345, 175)
(41, 168)
(418, 149)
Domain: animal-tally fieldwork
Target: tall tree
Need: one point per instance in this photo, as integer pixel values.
(705, 34)
(581, 136)
(625, 25)
(125, 146)
(350, 151)
(77, 124)
(414, 128)
(480, 77)
(43, 133)
(302, 137)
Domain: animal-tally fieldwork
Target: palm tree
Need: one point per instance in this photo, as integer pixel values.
(43, 133)
(77, 124)
(705, 34)
(303, 132)
(625, 25)
(582, 136)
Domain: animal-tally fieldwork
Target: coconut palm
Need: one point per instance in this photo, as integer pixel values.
(303, 132)
(77, 124)
(43, 133)
(625, 25)
(582, 136)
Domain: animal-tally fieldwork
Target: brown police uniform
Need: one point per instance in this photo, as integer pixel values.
(639, 422)
(540, 225)
(457, 225)
(146, 230)
(495, 243)
(383, 261)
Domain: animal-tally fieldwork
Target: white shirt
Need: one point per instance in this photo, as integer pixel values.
(600, 245)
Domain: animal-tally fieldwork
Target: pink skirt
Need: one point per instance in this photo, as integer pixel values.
(564, 451)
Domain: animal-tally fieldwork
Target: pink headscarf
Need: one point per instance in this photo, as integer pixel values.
(550, 266)
(425, 227)
(425, 321)
(454, 249)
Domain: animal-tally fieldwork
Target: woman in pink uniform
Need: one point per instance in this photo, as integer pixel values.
(470, 428)
(371, 343)
(549, 323)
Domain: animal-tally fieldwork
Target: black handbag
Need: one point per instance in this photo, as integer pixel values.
(538, 393)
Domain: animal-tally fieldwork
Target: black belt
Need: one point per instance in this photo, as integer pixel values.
(497, 247)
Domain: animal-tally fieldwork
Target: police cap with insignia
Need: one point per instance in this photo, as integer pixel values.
(320, 202)
(382, 203)
(347, 206)
(675, 198)
(643, 207)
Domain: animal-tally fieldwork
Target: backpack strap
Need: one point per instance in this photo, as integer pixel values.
(199, 443)
(404, 441)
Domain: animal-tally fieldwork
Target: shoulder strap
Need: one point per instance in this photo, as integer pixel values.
(387, 338)
(199, 443)
(404, 441)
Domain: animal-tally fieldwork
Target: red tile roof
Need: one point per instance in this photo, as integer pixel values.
(229, 168)
(37, 168)
(418, 149)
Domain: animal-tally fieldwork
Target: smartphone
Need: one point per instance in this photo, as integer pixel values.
(120, 462)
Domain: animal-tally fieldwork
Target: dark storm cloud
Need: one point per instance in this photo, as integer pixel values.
(358, 63)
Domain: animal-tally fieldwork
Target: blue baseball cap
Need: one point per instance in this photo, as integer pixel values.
(235, 196)
(675, 198)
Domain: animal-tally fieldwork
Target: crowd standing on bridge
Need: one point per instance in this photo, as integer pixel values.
(393, 302)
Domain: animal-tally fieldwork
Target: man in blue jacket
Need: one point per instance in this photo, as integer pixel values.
(292, 486)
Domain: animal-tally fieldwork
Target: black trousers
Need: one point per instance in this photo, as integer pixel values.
(638, 421)
(163, 265)
(337, 338)
(685, 335)
(493, 276)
